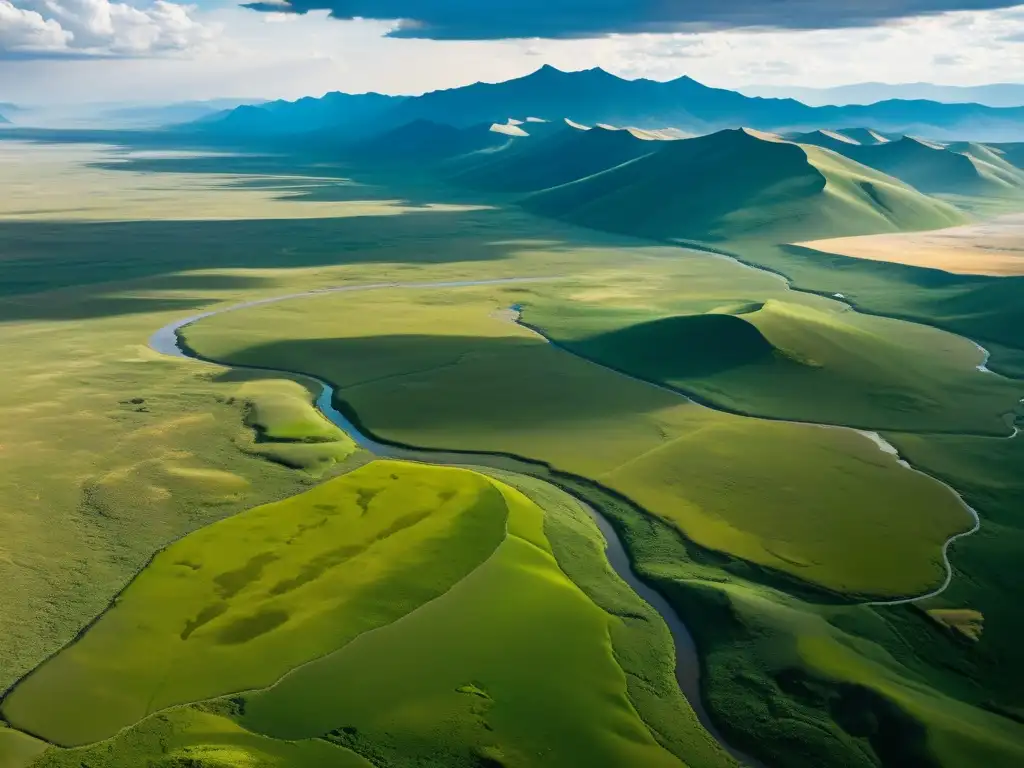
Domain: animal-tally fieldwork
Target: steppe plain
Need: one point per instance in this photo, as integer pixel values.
(747, 440)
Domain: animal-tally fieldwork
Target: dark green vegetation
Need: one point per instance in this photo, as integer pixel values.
(787, 192)
(548, 157)
(424, 140)
(990, 475)
(806, 682)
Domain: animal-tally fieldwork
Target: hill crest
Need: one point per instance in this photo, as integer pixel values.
(692, 190)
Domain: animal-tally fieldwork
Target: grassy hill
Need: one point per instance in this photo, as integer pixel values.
(993, 161)
(552, 156)
(809, 361)
(964, 168)
(690, 190)
(425, 140)
(864, 135)
(841, 139)
(825, 138)
(1014, 153)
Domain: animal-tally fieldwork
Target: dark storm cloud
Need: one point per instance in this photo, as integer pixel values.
(504, 19)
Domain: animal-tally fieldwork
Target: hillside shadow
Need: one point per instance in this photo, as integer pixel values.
(482, 380)
(109, 301)
(681, 347)
(305, 178)
(227, 163)
(94, 307)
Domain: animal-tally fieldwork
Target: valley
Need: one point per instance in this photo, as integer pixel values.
(511, 442)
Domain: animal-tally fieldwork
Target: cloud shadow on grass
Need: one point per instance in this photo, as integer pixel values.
(99, 259)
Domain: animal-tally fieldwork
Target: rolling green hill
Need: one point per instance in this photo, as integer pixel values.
(964, 169)
(828, 139)
(841, 139)
(810, 361)
(993, 161)
(556, 154)
(692, 190)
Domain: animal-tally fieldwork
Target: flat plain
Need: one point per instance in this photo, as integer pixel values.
(989, 248)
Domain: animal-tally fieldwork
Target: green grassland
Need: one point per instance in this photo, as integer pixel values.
(464, 678)
(190, 736)
(17, 749)
(809, 360)
(239, 603)
(99, 481)
(443, 369)
(640, 638)
(469, 678)
(109, 451)
(805, 682)
(990, 474)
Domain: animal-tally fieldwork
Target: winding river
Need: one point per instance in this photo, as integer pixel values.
(168, 341)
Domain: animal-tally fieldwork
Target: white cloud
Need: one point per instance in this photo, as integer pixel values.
(25, 30)
(99, 27)
(311, 54)
(908, 50)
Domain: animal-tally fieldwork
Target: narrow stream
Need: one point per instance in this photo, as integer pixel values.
(168, 341)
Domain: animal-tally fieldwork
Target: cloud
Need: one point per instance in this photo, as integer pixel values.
(22, 29)
(85, 28)
(557, 19)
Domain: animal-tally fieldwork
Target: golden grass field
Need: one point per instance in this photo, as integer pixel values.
(989, 248)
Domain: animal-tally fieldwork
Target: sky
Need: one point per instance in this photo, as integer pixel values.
(149, 51)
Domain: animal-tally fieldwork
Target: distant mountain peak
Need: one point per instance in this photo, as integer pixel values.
(551, 71)
(547, 70)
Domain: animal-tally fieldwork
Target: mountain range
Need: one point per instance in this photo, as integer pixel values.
(595, 96)
(792, 188)
(994, 95)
